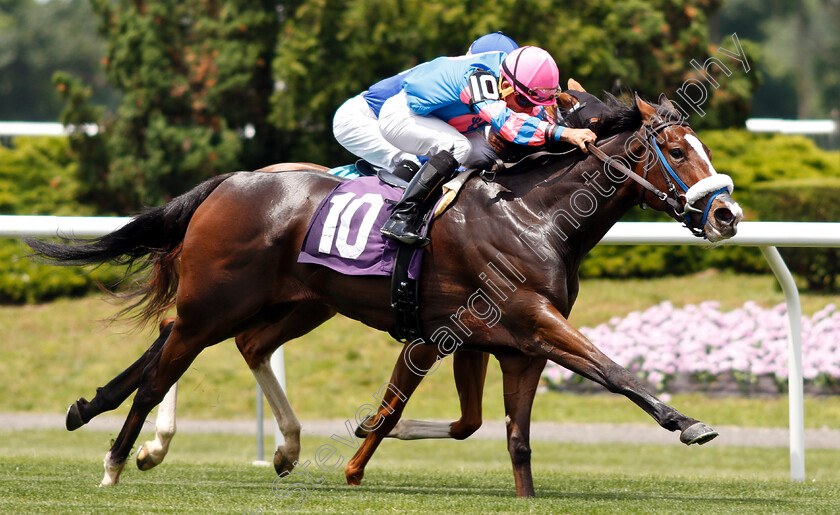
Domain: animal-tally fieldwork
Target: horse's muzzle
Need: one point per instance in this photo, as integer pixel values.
(724, 215)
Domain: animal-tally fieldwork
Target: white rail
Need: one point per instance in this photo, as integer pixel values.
(765, 235)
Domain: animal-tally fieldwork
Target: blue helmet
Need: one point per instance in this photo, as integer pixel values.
(493, 42)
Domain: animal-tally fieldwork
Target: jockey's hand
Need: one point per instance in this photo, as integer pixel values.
(578, 137)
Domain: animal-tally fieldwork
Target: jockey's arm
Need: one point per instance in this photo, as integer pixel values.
(524, 129)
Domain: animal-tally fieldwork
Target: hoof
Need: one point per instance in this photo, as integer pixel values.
(361, 432)
(698, 433)
(112, 471)
(145, 460)
(74, 416)
(282, 463)
(355, 479)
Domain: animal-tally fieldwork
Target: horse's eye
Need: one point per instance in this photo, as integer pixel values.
(676, 153)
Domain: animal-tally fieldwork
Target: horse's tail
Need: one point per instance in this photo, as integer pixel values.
(150, 243)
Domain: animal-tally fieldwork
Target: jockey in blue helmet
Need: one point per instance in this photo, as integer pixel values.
(493, 42)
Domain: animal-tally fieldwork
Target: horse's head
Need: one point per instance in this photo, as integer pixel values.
(673, 159)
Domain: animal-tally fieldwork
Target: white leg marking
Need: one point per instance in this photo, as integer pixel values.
(698, 147)
(283, 412)
(112, 471)
(420, 430)
(153, 452)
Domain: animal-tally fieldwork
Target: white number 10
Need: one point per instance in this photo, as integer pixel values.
(339, 217)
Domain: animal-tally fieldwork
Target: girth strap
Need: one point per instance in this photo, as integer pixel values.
(405, 298)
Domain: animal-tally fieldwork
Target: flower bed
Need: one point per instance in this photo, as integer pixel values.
(699, 348)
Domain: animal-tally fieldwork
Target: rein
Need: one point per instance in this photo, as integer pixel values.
(661, 195)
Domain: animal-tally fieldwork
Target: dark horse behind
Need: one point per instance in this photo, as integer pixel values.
(501, 275)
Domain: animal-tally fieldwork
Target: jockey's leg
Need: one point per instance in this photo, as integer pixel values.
(405, 222)
(426, 136)
(356, 128)
(420, 135)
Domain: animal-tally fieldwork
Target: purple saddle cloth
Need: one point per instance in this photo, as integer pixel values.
(344, 232)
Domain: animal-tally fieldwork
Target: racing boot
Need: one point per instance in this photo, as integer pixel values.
(406, 170)
(406, 219)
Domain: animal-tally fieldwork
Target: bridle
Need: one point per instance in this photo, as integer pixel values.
(715, 185)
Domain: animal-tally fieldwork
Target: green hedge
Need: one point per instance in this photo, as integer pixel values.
(38, 177)
(751, 159)
(805, 200)
(776, 178)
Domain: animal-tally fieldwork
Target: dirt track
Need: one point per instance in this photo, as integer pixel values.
(543, 431)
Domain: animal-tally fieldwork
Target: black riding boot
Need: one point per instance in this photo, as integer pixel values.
(405, 221)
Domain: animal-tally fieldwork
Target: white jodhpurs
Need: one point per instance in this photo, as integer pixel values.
(428, 135)
(355, 126)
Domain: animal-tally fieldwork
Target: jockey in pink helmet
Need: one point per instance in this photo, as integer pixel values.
(443, 107)
(531, 72)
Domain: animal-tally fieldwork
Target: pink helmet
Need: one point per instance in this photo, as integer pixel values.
(533, 73)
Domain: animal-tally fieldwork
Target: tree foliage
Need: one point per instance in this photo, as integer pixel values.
(331, 50)
(801, 42)
(196, 78)
(38, 38)
(196, 73)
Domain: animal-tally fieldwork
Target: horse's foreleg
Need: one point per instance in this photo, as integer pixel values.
(113, 394)
(470, 369)
(560, 342)
(404, 381)
(152, 452)
(520, 377)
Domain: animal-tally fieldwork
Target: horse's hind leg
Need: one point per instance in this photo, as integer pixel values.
(151, 454)
(113, 394)
(520, 377)
(256, 346)
(178, 352)
(470, 369)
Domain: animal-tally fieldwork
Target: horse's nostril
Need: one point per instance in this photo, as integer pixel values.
(724, 216)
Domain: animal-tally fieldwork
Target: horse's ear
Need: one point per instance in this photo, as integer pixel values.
(574, 85)
(646, 109)
(665, 103)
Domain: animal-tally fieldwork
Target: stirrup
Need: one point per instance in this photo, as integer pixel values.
(392, 230)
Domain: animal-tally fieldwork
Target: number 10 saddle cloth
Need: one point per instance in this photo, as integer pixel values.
(344, 232)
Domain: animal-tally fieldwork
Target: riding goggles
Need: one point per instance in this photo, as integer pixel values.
(546, 96)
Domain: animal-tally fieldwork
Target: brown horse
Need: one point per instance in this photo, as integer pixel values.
(238, 237)
(469, 367)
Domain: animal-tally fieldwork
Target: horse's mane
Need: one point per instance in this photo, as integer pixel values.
(605, 118)
(617, 117)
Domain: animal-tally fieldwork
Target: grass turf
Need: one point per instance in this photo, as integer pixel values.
(57, 472)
